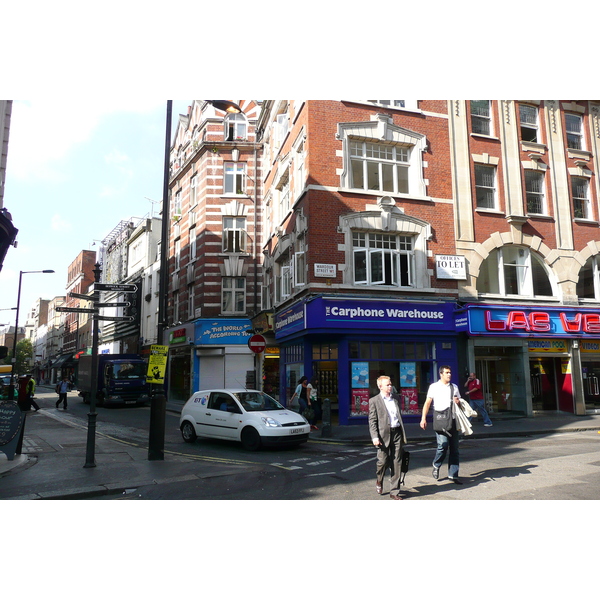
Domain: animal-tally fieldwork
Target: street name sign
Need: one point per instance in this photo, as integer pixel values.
(75, 309)
(109, 304)
(80, 296)
(115, 287)
(103, 318)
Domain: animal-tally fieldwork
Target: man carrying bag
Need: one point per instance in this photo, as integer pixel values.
(445, 397)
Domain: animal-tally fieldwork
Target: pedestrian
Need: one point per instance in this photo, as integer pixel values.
(30, 389)
(301, 393)
(442, 394)
(62, 389)
(314, 401)
(388, 435)
(476, 400)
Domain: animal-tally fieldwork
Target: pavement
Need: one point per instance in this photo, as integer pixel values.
(53, 461)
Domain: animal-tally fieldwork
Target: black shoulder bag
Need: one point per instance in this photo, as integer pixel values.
(404, 462)
(442, 419)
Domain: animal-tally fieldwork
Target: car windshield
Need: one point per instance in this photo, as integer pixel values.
(128, 371)
(253, 401)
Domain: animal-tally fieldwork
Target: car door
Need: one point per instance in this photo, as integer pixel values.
(222, 417)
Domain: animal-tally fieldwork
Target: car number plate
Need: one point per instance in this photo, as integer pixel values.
(294, 431)
(129, 401)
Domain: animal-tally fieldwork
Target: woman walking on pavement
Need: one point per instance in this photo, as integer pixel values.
(314, 402)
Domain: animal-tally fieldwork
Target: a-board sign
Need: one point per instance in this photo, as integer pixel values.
(11, 421)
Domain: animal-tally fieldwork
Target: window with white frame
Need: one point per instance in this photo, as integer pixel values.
(283, 278)
(299, 168)
(581, 199)
(574, 124)
(235, 178)
(534, 192)
(485, 186)
(191, 301)
(394, 103)
(379, 167)
(193, 191)
(300, 263)
(234, 234)
(235, 127)
(514, 271)
(382, 259)
(588, 285)
(528, 116)
(177, 254)
(481, 117)
(177, 205)
(193, 244)
(233, 295)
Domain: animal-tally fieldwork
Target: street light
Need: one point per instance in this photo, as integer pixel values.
(11, 387)
(226, 105)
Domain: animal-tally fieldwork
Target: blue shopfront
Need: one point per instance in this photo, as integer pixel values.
(347, 343)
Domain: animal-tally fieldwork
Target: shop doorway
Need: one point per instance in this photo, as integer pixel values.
(591, 385)
(544, 384)
(495, 380)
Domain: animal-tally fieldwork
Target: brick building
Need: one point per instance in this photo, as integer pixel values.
(214, 247)
(393, 236)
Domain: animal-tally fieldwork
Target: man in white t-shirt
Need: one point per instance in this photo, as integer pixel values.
(442, 393)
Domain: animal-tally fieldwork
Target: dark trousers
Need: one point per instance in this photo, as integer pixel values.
(391, 456)
(62, 397)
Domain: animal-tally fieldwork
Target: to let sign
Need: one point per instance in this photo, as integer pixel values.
(257, 343)
(450, 267)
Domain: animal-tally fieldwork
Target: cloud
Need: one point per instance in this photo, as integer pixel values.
(43, 132)
(57, 223)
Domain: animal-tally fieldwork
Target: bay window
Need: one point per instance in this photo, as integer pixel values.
(379, 167)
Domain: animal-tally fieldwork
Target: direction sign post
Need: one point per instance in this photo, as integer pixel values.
(128, 288)
(75, 309)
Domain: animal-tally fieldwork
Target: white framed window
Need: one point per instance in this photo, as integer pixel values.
(236, 127)
(528, 117)
(534, 192)
(177, 254)
(481, 117)
(574, 125)
(581, 200)
(177, 205)
(514, 271)
(382, 259)
(191, 301)
(234, 234)
(193, 244)
(299, 168)
(588, 285)
(233, 295)
(281, 129)
(394, 103)
(235, 178)
(193, 191)
(485, 186)
(283, 278)
(380, 167)
(300, 263)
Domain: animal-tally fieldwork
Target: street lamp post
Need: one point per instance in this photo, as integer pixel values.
(11, 388)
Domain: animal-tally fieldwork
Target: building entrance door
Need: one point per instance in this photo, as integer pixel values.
(543, 383)
(591, 385)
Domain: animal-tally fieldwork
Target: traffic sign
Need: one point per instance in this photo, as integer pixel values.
(80, 296)
(109, 304)
(75, 309)
(103, 318)
(257, 343)
(115, 287)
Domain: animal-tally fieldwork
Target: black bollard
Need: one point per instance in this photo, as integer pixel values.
(158, 413)
(326, 419)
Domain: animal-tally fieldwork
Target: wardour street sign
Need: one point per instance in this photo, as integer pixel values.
(103, 318)
(114, 287)
(75, 309)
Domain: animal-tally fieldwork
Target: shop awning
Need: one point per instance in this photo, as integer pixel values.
(61, 360)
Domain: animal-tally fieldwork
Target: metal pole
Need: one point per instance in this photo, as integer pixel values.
(90, 459)
(11, 387)
(158, 405)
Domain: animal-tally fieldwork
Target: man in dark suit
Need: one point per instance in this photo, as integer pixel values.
(387, 432)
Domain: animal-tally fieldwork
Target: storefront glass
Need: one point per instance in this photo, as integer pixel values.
(409, 364)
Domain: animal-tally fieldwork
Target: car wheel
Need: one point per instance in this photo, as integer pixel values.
(251, 439)
(188, 432)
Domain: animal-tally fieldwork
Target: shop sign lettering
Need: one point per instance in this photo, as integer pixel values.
(518, 321)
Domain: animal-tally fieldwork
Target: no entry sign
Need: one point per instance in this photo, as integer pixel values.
(257, 343)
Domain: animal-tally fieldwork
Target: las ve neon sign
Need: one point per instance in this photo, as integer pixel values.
(540, 322)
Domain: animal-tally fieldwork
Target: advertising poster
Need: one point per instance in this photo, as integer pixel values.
(410, 401)
(360, 403)
(408, 374)
(157, 364)
(360, 375)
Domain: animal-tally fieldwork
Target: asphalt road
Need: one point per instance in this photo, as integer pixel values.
(558, 466)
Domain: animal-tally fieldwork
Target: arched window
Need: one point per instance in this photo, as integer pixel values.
(235, 127)
(514, 271)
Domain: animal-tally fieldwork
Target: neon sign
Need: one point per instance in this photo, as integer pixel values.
(560, 322)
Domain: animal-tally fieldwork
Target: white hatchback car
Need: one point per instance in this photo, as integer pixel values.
(247, 416)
